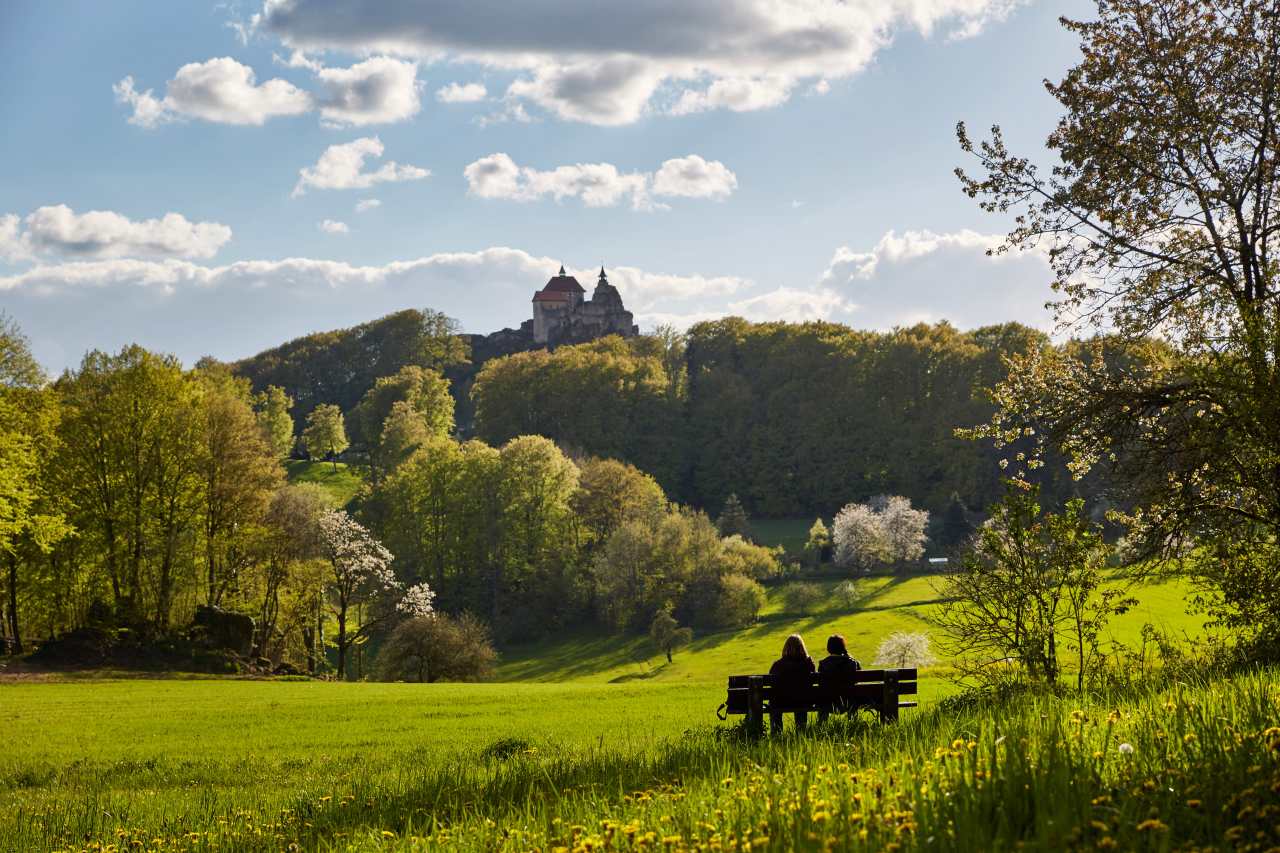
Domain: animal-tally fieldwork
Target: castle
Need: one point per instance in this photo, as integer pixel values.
(561, 316)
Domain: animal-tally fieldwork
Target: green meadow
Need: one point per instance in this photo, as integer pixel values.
(596, 743)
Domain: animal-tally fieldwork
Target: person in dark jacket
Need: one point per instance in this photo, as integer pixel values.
(794, 667)
(837, 665)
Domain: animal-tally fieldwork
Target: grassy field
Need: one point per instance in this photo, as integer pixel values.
(594, 740)
(341, 481)
(233, 765)
(889, 604)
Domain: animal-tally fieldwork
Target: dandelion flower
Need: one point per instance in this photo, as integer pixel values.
(1126, 749)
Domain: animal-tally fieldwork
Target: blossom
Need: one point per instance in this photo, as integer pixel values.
(1126, 748)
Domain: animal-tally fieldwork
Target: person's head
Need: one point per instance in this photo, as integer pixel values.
(835, 645)
(794, 647)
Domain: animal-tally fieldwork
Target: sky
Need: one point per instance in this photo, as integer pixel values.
(217, 178)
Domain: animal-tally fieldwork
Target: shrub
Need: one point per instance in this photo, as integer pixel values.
(438, 648)
(905, 649)
(739, 601)
(666, 634)
(848, 593)
(803, 598)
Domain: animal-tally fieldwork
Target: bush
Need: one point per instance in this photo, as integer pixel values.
(848, 593)
(803, 598)
(755, 561)
(739, 601)
(903, 649)
(438, 648)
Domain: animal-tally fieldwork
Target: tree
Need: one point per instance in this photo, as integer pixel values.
(271, 408)
(860, 543)
(412, 394)
(403, 432)
(612, 492)
(438, 648)
(360, 574)
(903, 649)
(956, 527)
(666, 634)
(291, 540)
(803, 597)
(733, 519)
(817, 547)
(1157, 220)
(325, 437)
(1029, 587)
(738, 603)
(885, 530)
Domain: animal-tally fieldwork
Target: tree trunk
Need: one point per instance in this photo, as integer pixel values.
(13, 605)
(342, 643)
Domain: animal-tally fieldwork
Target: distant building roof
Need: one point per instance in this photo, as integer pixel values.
(551, 296)
(563, 284)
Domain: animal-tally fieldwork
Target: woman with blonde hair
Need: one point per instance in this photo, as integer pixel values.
(795, 667)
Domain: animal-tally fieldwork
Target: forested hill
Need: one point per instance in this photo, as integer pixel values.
(340, 366)
(797, 419)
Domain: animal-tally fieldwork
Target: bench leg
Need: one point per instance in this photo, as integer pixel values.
(755, 708)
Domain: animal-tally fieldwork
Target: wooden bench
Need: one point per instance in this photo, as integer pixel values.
(878, 689)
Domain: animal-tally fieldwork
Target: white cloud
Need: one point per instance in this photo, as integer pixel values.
(792, 305)
(330, 226)
(377, 91)
(59, 230)
(599, 184)
(923, 276)
(341, 167)
(460, 93)
(610, 63)
(694, 177)
(13, 245)
(365, 205)
(219, 90)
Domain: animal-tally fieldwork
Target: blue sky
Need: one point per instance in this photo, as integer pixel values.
(787, 160)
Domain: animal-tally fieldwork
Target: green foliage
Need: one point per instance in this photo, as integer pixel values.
(272, 408)
(609, 398)
(339, 367)
(666, 634)
(804, 597)
(611, 493)
(325, 436)
(818, 547)
(733, 519)
(438, 648)
(400, 412)
(1030, 585)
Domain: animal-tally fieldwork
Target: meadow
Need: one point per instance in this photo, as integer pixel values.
(594, 742)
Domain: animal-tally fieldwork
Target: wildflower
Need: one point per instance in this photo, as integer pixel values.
(1189, 737)
(1152, 825)
(1193, 804)
(1126, 749)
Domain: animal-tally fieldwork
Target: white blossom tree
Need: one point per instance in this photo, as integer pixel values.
(905, 649)
(883, 531)
(361, 574)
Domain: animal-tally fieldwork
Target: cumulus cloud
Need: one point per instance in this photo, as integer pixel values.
(376, 91)
(923, 276)
(791, 304)
(599, 184)
(614, 63)
(694, 177)
(365, 205)
(342, 167)
(460, 93)
(59, 230)
(330, 226)
(219, 90)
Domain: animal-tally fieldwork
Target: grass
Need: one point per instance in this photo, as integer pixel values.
(889, 604)
(342, 481)
(262, 765)
(790, 533)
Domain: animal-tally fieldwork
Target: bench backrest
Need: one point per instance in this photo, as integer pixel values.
(866, 687)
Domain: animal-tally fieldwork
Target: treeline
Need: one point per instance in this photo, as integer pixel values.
(795, 419)
(135, 492)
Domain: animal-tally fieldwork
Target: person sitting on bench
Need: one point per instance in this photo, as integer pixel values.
(794, 667)
(837, 665)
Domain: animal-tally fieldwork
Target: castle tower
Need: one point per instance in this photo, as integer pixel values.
(554, 304)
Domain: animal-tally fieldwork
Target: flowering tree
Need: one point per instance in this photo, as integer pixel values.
(885, 530)
(361, 574)
(905, 649)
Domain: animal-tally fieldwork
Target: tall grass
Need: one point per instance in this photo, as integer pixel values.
(1193, 765)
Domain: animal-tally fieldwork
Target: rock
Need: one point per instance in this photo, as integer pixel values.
(223, 629)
